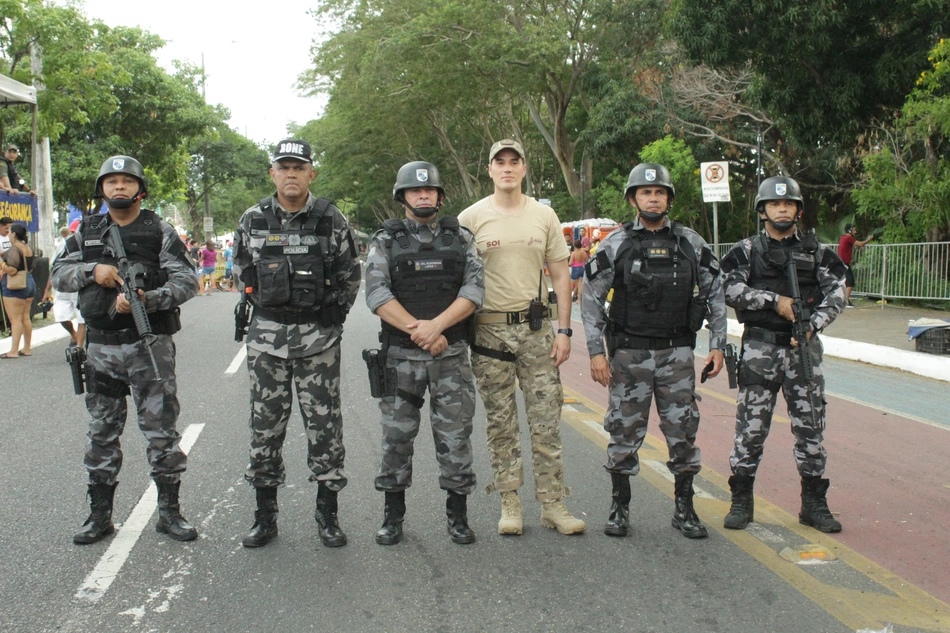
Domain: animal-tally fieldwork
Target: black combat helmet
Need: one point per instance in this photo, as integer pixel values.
(649, 174)
(417, 174)
(122, 165)
(778, 188)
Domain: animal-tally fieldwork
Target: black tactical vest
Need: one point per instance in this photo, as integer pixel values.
(426, 278)
(655, 275)
(768, 272)
(295, 270)
(142, 240)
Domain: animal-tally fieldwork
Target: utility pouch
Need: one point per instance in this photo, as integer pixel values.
(273, 282)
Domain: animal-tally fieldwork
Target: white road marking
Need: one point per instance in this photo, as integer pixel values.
(100, 579)
(238, 360)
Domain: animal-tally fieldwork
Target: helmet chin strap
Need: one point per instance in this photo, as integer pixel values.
(124, 203)
(780, 226)
(423, 212)
(650, 215)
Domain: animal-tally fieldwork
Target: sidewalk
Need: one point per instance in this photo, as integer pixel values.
(878, 336)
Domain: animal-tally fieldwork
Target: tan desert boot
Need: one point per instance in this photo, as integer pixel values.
(510, 522)
(555, 515)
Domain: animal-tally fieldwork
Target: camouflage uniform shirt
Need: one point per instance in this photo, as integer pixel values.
(379, 280)
(599, 282)
(737, 268)
(303, 339)
(71, 274)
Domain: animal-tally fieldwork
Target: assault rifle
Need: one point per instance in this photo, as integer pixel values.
(130, 274)
(801, 326)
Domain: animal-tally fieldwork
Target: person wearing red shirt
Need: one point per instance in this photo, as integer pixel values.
(846, 246)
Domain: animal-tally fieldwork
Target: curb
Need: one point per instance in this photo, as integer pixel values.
(927, 365)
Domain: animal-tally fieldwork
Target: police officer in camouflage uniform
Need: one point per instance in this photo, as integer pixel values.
(758, 287)
(424, 279)
(666, 282)
(296, 257)
(118, 362)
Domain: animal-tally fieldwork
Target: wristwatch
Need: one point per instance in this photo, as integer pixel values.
(566, 331)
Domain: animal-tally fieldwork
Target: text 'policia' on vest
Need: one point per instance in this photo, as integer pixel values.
(143, 244)
(294, 278)
(655, 281)
(426, 278)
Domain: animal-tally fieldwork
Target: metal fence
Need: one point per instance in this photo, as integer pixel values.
(898, 271)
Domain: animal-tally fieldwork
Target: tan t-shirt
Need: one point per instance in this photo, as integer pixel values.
(514, 248)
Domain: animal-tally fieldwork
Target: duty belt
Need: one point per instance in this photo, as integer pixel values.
(287, 317)
(510, 318)
(121, 337)
(629, 341)
(783, 339)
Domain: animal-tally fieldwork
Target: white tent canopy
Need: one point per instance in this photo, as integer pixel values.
(14, 93)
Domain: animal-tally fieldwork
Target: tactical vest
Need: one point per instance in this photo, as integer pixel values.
(142, 240)
(426, 277)
(294, 277)
(768, 272)
(654, 279)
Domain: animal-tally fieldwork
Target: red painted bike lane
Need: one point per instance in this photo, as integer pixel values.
(890, 476)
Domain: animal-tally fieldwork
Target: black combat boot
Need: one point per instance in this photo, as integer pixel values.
(393, 514)
(815, 512)
(265, 519)
(685, 519)
(330, 532)
(457, 515)
(170, 521)
(743, 502)
(618, 523)
(99, 524)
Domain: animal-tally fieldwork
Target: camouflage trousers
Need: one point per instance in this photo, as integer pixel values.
(540, 383)
(639, 375)
(317, 381)
(451, 408)
(765, 368)
(156, 404)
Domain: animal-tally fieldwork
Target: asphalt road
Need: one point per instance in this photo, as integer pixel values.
(884, 467)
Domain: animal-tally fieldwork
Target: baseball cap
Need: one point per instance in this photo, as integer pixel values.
(293, 148)
(505, 143)
(74, 225)
(13, 147)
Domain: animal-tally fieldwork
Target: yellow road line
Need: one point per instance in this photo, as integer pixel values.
(898, 602)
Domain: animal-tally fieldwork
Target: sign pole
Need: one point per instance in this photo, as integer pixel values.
(716, 228)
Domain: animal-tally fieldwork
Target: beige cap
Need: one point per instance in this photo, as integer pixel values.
(505, 143)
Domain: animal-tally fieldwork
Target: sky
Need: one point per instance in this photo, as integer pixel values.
(253, 54)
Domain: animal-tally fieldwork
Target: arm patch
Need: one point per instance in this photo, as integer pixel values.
(734, 259)
(597, 264)
(709, 261)
(831, 261)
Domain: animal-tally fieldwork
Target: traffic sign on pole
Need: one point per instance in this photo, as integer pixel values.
(715, 179)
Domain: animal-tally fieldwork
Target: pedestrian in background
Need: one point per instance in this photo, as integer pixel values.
(424, 280)
(209, 258)
(297, 255)
(665, 282)
(846, 246)
(757, 285)
(66, 304)
(516, 237)
(18, 289)
(119, 362)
